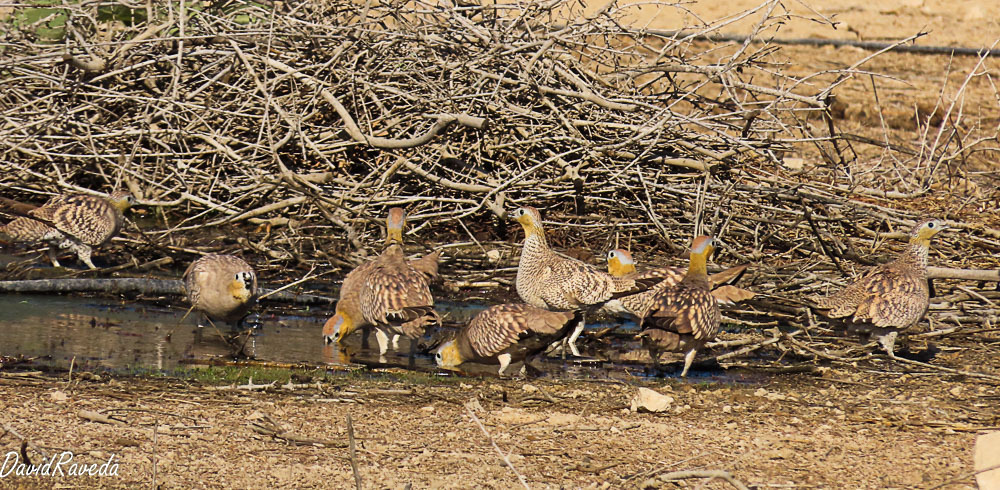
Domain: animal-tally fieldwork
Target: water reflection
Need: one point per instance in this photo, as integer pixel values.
(126, 336)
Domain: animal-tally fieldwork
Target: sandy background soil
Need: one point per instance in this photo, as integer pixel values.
(838, 429)
(968, 23)
(877, 425)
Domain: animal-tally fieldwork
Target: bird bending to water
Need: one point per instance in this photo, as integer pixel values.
(504, 334)
(388, 292)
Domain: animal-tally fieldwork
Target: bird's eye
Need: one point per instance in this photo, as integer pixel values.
(611, 254)
(930, 225)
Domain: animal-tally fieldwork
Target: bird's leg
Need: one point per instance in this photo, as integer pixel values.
(383, 341)
(83, 253)
(887, 342)
(53, 255)
(571, 340)
(504, 362)
(365, 332)
(412, 358)
(688, 359)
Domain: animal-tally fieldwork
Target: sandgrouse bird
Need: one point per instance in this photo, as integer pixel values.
(504, 334)
(77, 222)
(889, 298)
(550, 280)
(621, 263)
(683, 317)
(388, 292)
(221, 287)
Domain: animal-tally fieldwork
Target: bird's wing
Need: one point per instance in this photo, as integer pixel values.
(897, 300)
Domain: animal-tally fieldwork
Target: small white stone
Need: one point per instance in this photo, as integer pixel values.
(986, 455)
(650, 401)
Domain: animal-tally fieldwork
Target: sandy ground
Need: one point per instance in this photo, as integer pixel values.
(834, 429)
(968, 23)
(875, 425)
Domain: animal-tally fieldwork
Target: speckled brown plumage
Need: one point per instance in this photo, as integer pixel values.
(428, 264)
(553, 281)
(891, 297)
(396, 296)
(550, 280)
(505, 333)
(77, 222)
(223, 287)
(685, 316)
(620, 263)
(377, 288)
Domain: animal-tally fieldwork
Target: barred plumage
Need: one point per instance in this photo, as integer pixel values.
(621, 263)
(222, 287)
(503, 334)
(76, 221)
(685, 316)
(546, 279)
(389, 292)
(892, 297)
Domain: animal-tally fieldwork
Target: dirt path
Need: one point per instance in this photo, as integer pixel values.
(838, 429)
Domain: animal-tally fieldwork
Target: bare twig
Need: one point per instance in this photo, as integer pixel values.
(503, 456)
(354, 453)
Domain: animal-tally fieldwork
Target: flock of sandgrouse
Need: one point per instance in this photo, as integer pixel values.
(677, 309)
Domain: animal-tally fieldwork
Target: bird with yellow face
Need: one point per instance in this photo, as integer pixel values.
(387, 292)
(503, 334)
(75, 222)
(685, 316)
(891, 298)
(550, 280)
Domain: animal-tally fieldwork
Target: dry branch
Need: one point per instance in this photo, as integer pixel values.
(289, 131)
(137, 286)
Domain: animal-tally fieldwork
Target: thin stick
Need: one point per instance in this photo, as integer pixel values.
(712, 474)
(964, 476)
(501, 453)
(153, 486)
(292, 284)
(9, 430)
(354, 452)
(946, 369)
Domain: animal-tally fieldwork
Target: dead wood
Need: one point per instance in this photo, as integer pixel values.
(98, 417)
(136, 285)
(288, 132)
(269, 427)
